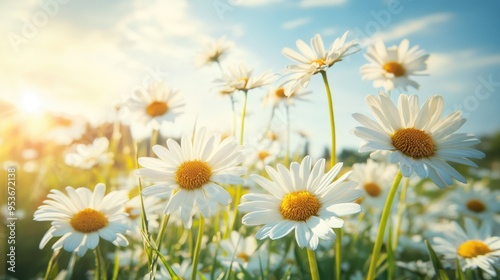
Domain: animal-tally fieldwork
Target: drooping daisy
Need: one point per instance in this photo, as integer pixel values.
(240, 251)
(374, 178)
(88, 156)
(391, 67)
(82, 217)
(64, 129)
(152, 206)
(276, 96)
(304, 199)
(155, 105)
(263, 154)
(313, 59)
(475, 200)
(238, 77)
(474, 247)
(418, 139)
(215, 50)
(190, 174)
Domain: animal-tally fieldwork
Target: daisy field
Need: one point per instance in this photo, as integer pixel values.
(264, 139)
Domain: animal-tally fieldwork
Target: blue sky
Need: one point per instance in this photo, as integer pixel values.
(83, 55)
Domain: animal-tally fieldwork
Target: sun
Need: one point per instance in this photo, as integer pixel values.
(31, 102)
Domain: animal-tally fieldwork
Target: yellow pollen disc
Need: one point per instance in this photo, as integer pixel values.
(473, 248)
(157, 108)
(263, 155)
(243, 256)
(280, 93)
(413, 142)
(476, 205)
(88, 220)
(372, 189)
(320, 62)
(130, 213)
(299, 206)
(359, 200)
(273, 136)
(193, 174)
(395, 68)
(62, 121)
(245, 80)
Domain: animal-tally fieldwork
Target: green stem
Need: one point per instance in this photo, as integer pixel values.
(333, 158)
(243, 115)
(71, 266)
(313, 266)
(116, 267)
(154, 139)
(197, 248)
(338, 252)
(287, 153)
(401, 209)
(383, 222)
(234, 113)
(235, 211)
(100, 272)
(53, 259)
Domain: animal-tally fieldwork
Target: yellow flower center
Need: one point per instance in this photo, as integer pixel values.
(372, 189)
(263, 155)
(280, 93)
(130, 212)
(476, 205)
(413, 142)
(157, 108)
(395, 68)
(473, 248)
(88, 220)
(193, 174)
(320, 62)
(244, 257)
(299, 206)
(245, 80)
(62, 121)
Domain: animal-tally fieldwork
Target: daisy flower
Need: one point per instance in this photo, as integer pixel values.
(64, 129)
(475, 201)
(304, 199)
(152, 205)
(88, 156)
(238, 77)
(391, 67)
(263, 154)
(474, 247)
(215, 50)
(244, 252)
(156, 105)
(313, 59)
(418, 139)
(82, 217)
(375, 179)
(191, 173)
(276, 96)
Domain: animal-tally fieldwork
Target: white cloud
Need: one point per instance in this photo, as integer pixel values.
(467, 60)
(321, 3)
(295, 23)
(252, 3)
(413, 26)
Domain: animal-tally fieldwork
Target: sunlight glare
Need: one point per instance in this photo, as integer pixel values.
(31, 102)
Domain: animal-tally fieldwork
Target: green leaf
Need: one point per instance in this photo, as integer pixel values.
(438, 267)
(459, 274)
